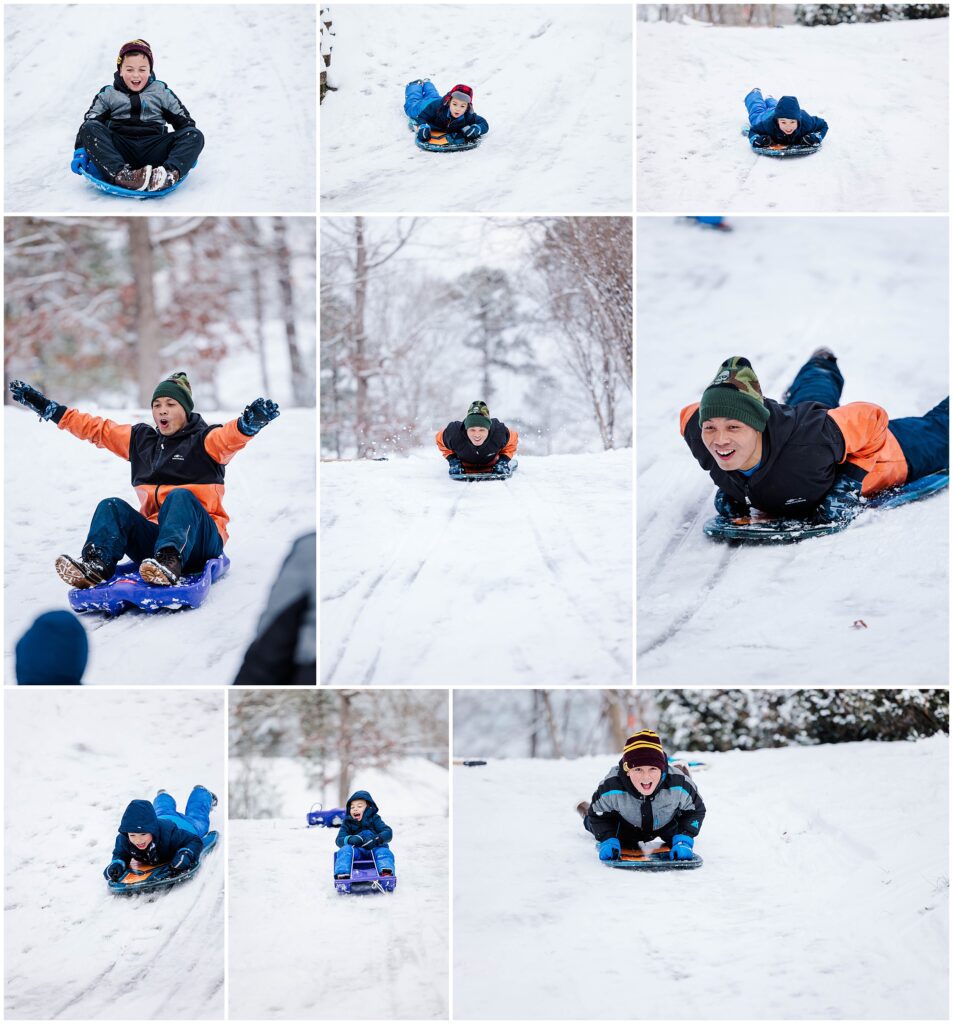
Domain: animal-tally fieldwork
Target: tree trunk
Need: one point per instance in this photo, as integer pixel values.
(359, 340)
(255, 252)
(300, 378)
(344, 748)
(143, 269)
(551, 722)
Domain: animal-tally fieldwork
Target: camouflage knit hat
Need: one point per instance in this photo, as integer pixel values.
(735, 394)
(177, 387)
(478, 415)
(644, 749)
(135, 46)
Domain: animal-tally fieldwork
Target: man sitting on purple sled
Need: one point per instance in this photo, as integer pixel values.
(363, 827)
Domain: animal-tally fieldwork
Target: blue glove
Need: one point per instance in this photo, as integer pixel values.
(729, 507)
(424, 133)
(810, 140)
(472, 131)
(503, 467)
(182, 861)
(456, 466)
(257, 415)
(115, 870)
(33, 399)
(681, 848)
(367, 837)
(610, 849)
(355, 841)
(842, 502)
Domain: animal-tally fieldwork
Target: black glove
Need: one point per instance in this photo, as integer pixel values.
(424, 133)
(503, 467)
(810, 140)
(182, 861)
(456, 466)
(115, 870)
(842, 502)
(355, 841)
(472, 131)
(729, 507)
(257, 415)
(44, 407)
(760, 141)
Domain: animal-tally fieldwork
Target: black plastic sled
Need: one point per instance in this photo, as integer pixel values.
(152, 879)
(656, 859)
(762, 529)
(779, 149)
(474, 478)
(443, 142)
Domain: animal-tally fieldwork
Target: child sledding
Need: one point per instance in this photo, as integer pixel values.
(364, 862)
(478, 447)
(781, 127)
(445, 123)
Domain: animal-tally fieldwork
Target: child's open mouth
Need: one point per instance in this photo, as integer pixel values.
(725, 453)
(646, 787)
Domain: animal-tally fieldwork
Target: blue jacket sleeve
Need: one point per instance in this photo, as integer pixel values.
(121, 849)
(481, 121)
(180, 839)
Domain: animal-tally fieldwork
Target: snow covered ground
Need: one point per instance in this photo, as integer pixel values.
(299, 950)
(553, 82)
(429, 581)
(824, 893)
(73, 761)
(237, 69)
(876, 292)
(53, 484)
(882, 88)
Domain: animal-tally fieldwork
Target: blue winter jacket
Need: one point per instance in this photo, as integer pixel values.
(437, 115)
(763, 118)
(379, 833)
(167, 837)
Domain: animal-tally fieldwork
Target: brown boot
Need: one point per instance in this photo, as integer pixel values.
(82, 573)
(582, 808)
(162, 178)
(135, 179)
(164, 570)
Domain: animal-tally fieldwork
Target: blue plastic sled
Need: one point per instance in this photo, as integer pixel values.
(656, 859)
(443, 142)
(365, 876)
(779, 149)
(83, 166)
(761, 529)
(151, 879)
(331, 818)
(127, 589)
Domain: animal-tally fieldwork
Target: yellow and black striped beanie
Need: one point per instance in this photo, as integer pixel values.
(644, 749)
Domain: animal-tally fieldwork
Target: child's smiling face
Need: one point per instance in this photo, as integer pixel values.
(733, 444)
(169, 416)
(477, 435)
(457, 107)
(645, 779)
(358, 807)
(140, 840)
(787, 125)
(134, 71)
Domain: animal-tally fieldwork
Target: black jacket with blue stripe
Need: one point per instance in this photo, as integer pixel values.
(618, 811)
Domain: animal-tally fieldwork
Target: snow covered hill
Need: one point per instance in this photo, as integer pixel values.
(237, 68)
(73, 761)
(875, 290)
(299, 950)
(824, 893)
(53, 484)
(429, 581)
(882, 88)
(554, 83)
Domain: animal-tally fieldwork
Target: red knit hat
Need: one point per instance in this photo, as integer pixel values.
(644, 749)
(135, 46)
(465, 90)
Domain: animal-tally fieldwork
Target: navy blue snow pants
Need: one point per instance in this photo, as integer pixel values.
(198, 807)
(117, 529)
(924, 440)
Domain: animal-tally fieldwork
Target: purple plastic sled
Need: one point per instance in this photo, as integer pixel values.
(365, 876)
(127, 589)
(330, 818)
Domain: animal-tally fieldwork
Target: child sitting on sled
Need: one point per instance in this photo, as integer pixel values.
(644, 797)
(363, 827)
(810, 458)
(478, 444)
(452, 113)
(773, 121)
(155, 833)
(178, 471)
(124, 130)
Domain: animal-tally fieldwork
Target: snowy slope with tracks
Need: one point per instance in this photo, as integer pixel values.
(875, 291)
(429, 581)
(821, 896)
(882, 88)
(553, 82)
(73, 761)
(54, 482)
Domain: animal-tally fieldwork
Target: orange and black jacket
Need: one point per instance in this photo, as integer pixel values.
(804, 447)
(453, 440)
(194, 458)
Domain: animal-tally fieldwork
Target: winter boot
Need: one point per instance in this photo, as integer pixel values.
(582, 808)
(135, 179)
(162, 177)
(159, 792)
(164, 570)
(824, 353)
(84, 572)
(386, 872)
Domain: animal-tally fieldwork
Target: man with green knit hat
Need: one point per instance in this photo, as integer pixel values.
(809, 458)
(178, 472)
(478, 444)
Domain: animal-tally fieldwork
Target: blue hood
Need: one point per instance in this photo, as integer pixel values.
(362, 794)
(140, 816)
(788, 106)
